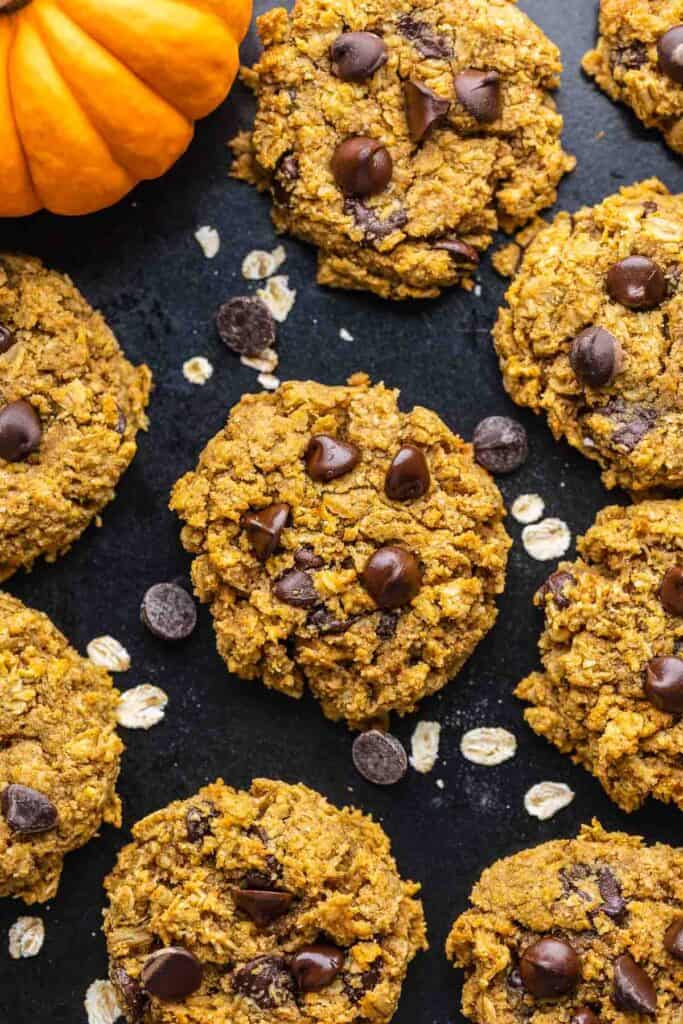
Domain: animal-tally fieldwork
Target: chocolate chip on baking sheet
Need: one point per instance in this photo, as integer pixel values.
(168, 611)
(379, 757)
(246, 325)
(500, 444)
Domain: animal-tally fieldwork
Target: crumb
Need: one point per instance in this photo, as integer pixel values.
(258, 263)
(268, 381)
(197, 370)
(209, 241)
(278, 297)
(345, 335)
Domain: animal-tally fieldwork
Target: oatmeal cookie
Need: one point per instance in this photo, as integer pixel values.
(256, 907)
(343, 544)
(611, 690)
(70, 408)
(576, 931)
(397, 137)
(59, 752)
(592, 334)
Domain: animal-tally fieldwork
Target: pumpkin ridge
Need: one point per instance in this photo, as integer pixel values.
(15, 123)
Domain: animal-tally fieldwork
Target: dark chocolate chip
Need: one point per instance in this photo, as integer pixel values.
(168, 611)
(596, 357)
(306, 558)
(424, 109)
(424, 38)
(7, 339)
(357, 984)
(373, 226)
(132, 997)
(480, 94)
(556, 585)
(632, 421)
(460, 252)
(584, 1015)
(171, 973)
(379, 757)
(296, 588)
(408, 475)
(633, 989)
(649, 207)
(263, 906)
(198, 824)
(357, 55)
(362, 166)
(121, 423)
(27, 811)
(664, 684)
(500, 444)
(315, 967)
(246, 325)
(550, 968)
(637, 282)
(386, 625)
(630, 57)
(327, 458)
(323, 620)
(670, 53)
(20, 431)
(392, 577)
(265, 980)
(614, 904)
(671, 590)
(289, 167)
(673, 939)
(264, 528)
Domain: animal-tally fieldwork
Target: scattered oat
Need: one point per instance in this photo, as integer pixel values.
(345, 335)
(258, 263)
(545, 540)
(142, 707)
(266, 362)
(528, 508)
(101, 1003)
(108, 653)
(209, 241)
(26, 937)
(268, 381)
(488, 746)
(425, 746)
(547, 798)
(278, 297)
(197, 370)
(441, 784)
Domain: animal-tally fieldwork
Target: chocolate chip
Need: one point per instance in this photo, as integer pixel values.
(263, 906)
(637, 282)
(323, 620)
(392, 577)
(357, 55)
(556, 585)
(7, 339)
(171, 973)
(671, 590)
(246, 325)
(670, 53)
(357, 984)
(633, 990)
(632, 56)
(386, 625)
(514, 979)
(27, 811)
(362, 166)
(328, 458)
(408, 475)
(424, 38)
(379, 757)
(500, 444)
(633, 422)
(460, 252)
(673, 939)
(373, 226)
(614, 904)
(315, 967)
(480, 94)
(664, 684)
(550, 968)
(264, 528)
(596, 357)
(20, 431)
(289, 167)
(132, 997)
(198, 824)
(168, 611)
(306, 558)
(424, 109)
(584, 1015)
(296, 588)
(121, 423)
(265, 980)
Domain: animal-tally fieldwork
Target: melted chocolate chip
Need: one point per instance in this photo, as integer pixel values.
(306, 558)
(633, 422)
(172, 973)
(379, 757)
(362, 166)
(392, 577)
(296, 588)
(246, 325)
(671, 590)
(7, 339)
(264, 528)
(408, 475)
(132, 996)
(323, 620)
(670, 53)
(20, 431)
(556, 585)
(460, 252)
(265, 980)
(632, 56)
(315, 967)
(198, 824)
(328, 458)
(386, 625)
(614, 904)
(424, 38)
(26, 811)
(263, 906)
(596, 357)
(673, 939)
(637, 282)
(550, 968)
(480, 94)
(664, 684)
(500, 444)
(356, 56)
(356, 985)
(121, 423)
(633, 989)
(374, 227)
(424, 109)
(584, 1015)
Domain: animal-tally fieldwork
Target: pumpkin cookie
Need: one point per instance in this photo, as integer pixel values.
(59, 752)
(590, 334)
(70, 408)
(611, 693)
(344, 545)
(575, 932)
(638, 60)
(262, 906)
(397, 137)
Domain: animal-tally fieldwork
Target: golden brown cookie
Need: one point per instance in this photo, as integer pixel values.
(260, 907)
(59, 752)
(343, 545)
(70, 408)
(398, 137)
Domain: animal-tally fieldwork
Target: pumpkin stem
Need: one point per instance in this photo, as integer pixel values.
(10, 6)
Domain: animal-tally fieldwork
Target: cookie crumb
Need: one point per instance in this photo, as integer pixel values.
(259, 263)
(101, 1003)
(142, 707)
(545, 799)
(440, 784)
(26, 937)
(345, 335)
(528, 508)
(278, 297)
(507, 260)
(268, 381)
(197, 370)
(107, 652)
(209, 241)
(424, 746)
(488, 746)
(546, 540)
(266, 362)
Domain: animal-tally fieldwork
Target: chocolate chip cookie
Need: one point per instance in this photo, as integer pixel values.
(70, 408)
(611, 690)
(59, 752)
(262, 906)
(396, 137)
(344, 545)
(575, 932)
(590, 334)
(638, 60)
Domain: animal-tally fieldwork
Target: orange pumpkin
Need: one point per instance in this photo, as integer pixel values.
(97, 95)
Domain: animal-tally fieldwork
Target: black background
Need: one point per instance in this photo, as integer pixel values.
(140, 264)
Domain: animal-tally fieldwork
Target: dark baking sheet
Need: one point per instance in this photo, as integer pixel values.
(141, 265)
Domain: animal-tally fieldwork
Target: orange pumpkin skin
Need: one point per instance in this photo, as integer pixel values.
(97, 95)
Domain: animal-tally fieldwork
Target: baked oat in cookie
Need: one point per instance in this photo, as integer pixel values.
(59, 752)
(591, 334)
(611, 690)
(575, 931)
(70, 408)
(343, 545)
(259, 907)
(397, 137)
(638, 60)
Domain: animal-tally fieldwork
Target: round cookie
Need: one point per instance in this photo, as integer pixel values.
(70, 408)
(589, 335)
(575, 932)
(611, 692)
(638, 60)
(397, 137)
(257, 907)
(344, 545)
(59, 755)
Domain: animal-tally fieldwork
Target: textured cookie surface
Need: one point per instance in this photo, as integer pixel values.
(605, 622)
(464, 178)
(178, 885)
(360, 660)
(58, 733)
(626, 62)
(631, 425)
(606, 894)
(60, 357)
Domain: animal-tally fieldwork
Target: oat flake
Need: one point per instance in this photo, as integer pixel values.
(547, 798)
(345, 335)
(258, 263)
(101, 1003)
(197, 370)
(107, 652)
(546, 540)
(209, 241)
(528, 508)
(265, 362)
(488, 746)
(26, 937)
(142, 707)
(278, 297)
(425, 746)
(268, 381)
